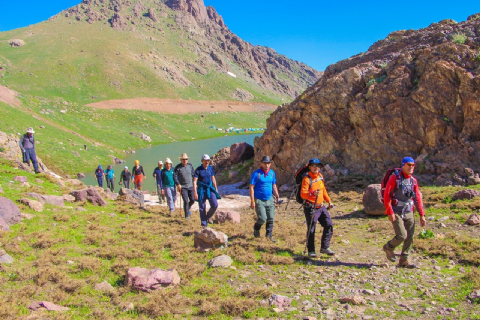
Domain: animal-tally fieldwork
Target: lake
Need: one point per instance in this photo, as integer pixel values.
(149, 157)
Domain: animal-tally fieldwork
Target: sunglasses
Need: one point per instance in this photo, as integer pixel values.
(316, 165)
(410, 164)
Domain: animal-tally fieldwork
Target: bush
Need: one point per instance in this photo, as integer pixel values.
(426, 234)
(477, 58)
(459, 38)
(377, 80)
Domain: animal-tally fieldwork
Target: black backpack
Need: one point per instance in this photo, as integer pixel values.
(302, 172)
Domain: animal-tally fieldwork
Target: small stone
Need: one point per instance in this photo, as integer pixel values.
(443, 219)
(6, 259)
(220, 261)
(104, 286)
(368, 291)
(442, 225)
(437, 268)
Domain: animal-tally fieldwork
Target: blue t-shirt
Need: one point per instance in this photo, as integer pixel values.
(263, 189)
(109, 173)
(204, 175)
(99, 173)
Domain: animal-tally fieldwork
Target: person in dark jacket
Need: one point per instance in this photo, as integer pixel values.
(205, 188)
(157, 174)
(138, 175)
(27, 145)
(99, 174)
(183, 177)
(125, 178)
(110, 176)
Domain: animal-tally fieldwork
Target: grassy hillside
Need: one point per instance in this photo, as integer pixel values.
(84, 62)
(107, 132)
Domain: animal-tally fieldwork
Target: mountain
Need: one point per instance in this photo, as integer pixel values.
(125, 49)
(415, 93)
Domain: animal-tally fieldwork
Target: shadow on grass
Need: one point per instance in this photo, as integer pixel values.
(338, 263)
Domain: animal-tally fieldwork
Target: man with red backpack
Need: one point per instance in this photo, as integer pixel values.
(401, 197)
(314, 193)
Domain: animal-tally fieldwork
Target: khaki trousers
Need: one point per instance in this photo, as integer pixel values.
(404, 230)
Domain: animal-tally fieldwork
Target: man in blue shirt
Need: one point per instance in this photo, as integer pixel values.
(157, 174)
(205, 187)
(262, 188)
(109, 175)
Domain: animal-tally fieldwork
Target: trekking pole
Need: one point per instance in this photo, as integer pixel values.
(294, 191)
(310, 226)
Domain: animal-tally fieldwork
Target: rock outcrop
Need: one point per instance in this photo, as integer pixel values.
(9, 212)
(209, 239)
(148, 280)
(415, 93)
(91, 195)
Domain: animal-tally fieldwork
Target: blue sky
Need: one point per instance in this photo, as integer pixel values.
(316, 32)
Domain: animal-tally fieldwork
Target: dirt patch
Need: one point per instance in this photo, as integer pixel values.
(180, 106)
(8, 96)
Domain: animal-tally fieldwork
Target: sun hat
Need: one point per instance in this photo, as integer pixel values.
(183, 156)
(30, 130)
(407, 160)
(266, 159)
(160, 162)
(126, 167)
(168, 161)
(205, 157)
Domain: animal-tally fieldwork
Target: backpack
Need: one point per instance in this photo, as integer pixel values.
(301, 173)
(386, 177)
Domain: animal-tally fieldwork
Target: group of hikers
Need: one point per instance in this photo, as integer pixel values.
(400, 192)
(401, 196)
(192, 184)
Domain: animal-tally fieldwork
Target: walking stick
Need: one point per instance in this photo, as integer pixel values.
(180, 203)
(310, 227)
(294, 191)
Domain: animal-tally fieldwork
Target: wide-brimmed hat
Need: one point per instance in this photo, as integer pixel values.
(30, 130)
(126, 167)
(160, 162)
(205, 157)
(183, 156)
(266, 159)
(316, 162)
(168, 161)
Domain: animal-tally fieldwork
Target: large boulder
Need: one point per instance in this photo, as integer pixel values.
(280, 301)
(3, 225)
(135, 197)
(372, 203)
(208, 239)
(153, 279)
(240, 152)
(9, 212)
(474, 219)
(90, 195)
(32, 204)
(222, 216)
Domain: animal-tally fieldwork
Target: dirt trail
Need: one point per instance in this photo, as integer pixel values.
(180, 106)
(9, 96)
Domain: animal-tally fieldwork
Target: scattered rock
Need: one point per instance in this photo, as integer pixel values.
(9, 212)
(6, 259)
(145, 137)
(81, 209)
(437, 268)
(21, 179)
(68, 198)
(443, 219)
(34, 306)
(80, 175)
(475, 294)
(222, 216)
(40, 181)
(208, 239)
(16, 42)
(104, 286)
(27, 216)
(53, 200)
(279, 301)
(372, 203)
(474, 219)
(90, 195)
(149, 280)
(220, 261)
(4, 226)
(368, 292)
(355, 300)
(32, 204)
(75, 182)
(466, 195)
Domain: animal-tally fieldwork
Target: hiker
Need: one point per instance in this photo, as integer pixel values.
(263, 188)
(314, 193)
(27, 145)
(99, 174)
(157, 174)
(183, 177)
(109, 176)
(169, 184)
(401, 197)
(138, 175)
(205, 188)
(125, 178)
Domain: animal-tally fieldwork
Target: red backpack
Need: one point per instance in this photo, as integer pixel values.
(386, 177)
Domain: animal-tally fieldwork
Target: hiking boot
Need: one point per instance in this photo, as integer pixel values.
(187, 218)
(327, 251)
(269, 237)
(389, 253)
(404, 263)
(312, 254)
(256, 233)
(38, 171)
